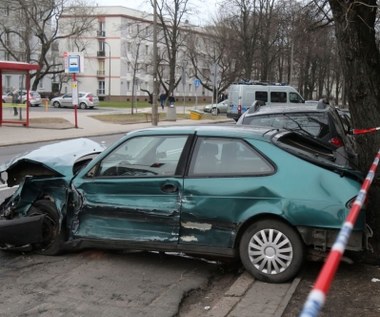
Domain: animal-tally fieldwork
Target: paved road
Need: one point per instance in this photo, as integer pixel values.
(98, 283)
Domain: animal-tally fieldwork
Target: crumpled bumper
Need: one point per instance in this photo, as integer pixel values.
(21, 231)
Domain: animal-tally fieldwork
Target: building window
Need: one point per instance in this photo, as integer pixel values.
(101, 88)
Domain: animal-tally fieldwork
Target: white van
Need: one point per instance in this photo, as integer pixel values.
(242, 96)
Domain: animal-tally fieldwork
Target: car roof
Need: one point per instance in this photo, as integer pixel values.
(286, 108)
(235, 131)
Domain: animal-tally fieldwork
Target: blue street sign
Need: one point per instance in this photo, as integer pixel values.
(197, 83)
(74, 64)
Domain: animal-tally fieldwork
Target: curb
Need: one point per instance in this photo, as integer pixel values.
(248, 297)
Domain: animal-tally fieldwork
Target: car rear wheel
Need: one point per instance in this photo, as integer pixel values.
(51, 234)
(271, 251)
(214, 111)
(82, 105)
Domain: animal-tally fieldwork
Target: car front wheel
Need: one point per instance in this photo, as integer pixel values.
(56, 104)
(214, 111)
(52, 236)
(271, 251)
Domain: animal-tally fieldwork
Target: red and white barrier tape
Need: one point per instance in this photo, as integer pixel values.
(317, 296)
(363, 131)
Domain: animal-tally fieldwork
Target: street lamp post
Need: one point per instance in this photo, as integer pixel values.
(155, 67)
(109, 70)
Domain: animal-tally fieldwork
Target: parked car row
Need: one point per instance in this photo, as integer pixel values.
(34, 97)
(86, 100)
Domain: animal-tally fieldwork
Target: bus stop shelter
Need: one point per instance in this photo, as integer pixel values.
(16, 68)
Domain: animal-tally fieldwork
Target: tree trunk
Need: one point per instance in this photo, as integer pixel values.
(360, 59)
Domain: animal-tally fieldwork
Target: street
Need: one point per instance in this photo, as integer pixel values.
(98, 283)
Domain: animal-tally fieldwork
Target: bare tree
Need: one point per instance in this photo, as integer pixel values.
(360, 59)
(141, 33)
(171, 16)
(32, 40)
(212, 48)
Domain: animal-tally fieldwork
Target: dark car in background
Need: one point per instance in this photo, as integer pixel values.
(266, 196)
(317, 120)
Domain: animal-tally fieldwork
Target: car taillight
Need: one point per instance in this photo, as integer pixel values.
(336, 141)
(90, 98)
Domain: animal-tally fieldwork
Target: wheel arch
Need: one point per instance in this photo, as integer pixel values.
(262, 216)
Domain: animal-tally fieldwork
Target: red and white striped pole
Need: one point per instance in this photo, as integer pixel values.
(363, 131)
(317, 296)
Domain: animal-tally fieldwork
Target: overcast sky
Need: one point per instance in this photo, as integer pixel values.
(206, 8)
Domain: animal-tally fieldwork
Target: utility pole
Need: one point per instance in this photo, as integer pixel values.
(155, 67)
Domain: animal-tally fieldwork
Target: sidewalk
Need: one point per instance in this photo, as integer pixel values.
(246, 297)
(87, 126)
(250, 298)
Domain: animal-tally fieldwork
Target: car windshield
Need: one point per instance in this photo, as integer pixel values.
(315, 124)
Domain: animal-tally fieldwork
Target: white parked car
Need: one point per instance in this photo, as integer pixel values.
(34, 98)
(216, 108)
(86, 100)
(7, 97)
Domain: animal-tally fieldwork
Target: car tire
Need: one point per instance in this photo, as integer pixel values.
(214, 111)
(82, 105)
(52, 233)
(271, 251)
(56, 104)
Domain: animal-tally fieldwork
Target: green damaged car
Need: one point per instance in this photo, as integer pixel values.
(266, 196)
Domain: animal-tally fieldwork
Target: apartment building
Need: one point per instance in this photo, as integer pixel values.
(118, 56)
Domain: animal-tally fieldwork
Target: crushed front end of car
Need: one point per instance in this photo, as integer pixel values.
(33, 214)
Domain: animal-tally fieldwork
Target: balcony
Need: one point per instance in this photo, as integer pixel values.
(101, 33)
(101, 73)
(101, 54)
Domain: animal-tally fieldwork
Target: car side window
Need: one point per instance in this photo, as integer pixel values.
(145, 156)
(227, 157)
(278, 96)
(261, 95)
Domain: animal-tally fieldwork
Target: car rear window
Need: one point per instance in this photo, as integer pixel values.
(305, 147)
(315, 124)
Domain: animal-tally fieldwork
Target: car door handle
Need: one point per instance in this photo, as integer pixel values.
(169, 188)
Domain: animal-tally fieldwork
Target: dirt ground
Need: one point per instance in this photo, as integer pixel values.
(355, 291)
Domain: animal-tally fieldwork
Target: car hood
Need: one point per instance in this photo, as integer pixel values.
(55, 159)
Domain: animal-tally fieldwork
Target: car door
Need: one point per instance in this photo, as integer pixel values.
(133, 193)
(225, 179)
(67, 100)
